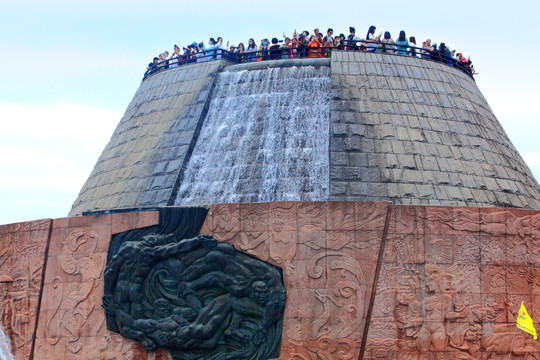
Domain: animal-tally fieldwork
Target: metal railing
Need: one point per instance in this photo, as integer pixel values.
(308, 52)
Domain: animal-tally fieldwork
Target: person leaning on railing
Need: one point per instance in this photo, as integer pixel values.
(175, 57)
(371, 39)
(388, 43)
(412, 43)
(239, 51)
(286, 49)
(294, 48)
(263, 50)
(314, 47)
(402, 43)
(210, 52)
(352, 39)
(275, 50)
(251, 50)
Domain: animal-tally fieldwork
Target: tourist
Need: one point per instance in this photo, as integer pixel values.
(425, 53)
(327, 52)
(402, 43)
(328, 36)
(320, 38)
(341, 41)
(175, 56)
(371, 39)
(199, 54)
(294, 48)
(220, 47)
(152, 67)
(252, 48)
(263, 50)
(166, 60)
(302, 45)
(337, 43)
(352, 39)
(435, 55)
(209, 50)
(445, 54)
(240, 51)
(388, 43)
(275, 52)
(314, 46)
(286, 49)
(412, 43)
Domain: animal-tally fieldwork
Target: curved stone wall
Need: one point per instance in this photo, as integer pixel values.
(142, 162)
(402, 129)
(419, 132)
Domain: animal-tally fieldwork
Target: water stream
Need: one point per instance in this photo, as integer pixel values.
(265, 138)
(5, 346)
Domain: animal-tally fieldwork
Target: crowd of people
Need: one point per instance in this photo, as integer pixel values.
(305, 44)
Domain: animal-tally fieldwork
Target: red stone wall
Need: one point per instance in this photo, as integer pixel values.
(452, 281)
(71, 323)
(328, 252)
(22, 255)
(449, 285)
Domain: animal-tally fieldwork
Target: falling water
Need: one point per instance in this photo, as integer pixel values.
(265, 138)
(5, 347)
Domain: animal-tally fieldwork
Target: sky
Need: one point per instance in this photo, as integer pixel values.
(68, 70)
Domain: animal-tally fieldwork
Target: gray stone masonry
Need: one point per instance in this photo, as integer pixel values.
(143, 160)
(403, 129)
(419, 132)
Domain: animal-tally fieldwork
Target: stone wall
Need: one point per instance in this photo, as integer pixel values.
(414, 131)
(142, 163)
(403, 129)
(51, 284)
(448, 281)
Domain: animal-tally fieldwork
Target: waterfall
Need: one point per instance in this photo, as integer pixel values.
(5, 347)
(265, 138)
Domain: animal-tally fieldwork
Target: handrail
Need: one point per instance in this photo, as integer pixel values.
(309, 52)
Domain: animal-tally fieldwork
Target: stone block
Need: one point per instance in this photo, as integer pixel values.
(339, 158)
(407, 161)
(339, 129)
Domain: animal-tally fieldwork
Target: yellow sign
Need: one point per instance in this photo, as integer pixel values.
(525, 323)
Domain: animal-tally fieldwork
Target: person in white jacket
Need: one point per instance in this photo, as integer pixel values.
(220, 46)
(210, 52)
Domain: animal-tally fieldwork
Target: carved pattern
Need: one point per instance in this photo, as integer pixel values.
(479, 265)
(324, 267)
(76, 293)
(22, 248)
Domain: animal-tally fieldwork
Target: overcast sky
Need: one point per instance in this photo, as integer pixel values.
(68, 70)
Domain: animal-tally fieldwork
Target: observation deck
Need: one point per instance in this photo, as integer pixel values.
(313, 53)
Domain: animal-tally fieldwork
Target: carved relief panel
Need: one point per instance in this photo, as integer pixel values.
(328, 252)
(450, 289)
(22, 254)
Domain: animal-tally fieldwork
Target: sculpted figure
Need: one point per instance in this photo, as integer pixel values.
(195, 298)
(127, 269)
(227, 261)
(435, 310)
